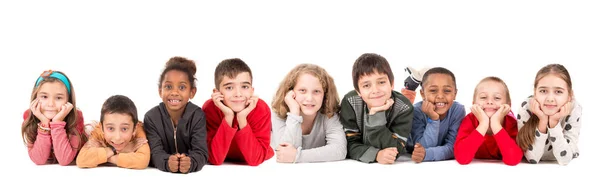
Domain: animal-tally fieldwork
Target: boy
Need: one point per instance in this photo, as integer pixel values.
(376, 119)
(436, 118)
(238, 123)
(118, 139)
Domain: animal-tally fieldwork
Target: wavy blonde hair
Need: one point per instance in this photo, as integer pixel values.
(331, 99)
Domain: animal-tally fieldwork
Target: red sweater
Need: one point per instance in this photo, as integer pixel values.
(56, 146)
(471, 144)
(249, 144)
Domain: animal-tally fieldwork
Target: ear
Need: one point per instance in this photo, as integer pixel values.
(251, 91)
(422, 93)
(358, 92)
(193, 92)
(215, 90)
(393, 84)
(159, 92)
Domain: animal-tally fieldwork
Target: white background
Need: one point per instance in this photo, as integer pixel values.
(118, 47)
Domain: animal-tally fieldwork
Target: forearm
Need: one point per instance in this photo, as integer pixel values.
(219, 144)
(511, 153)
(135, 160)
(40, 150)
(90, 157)
(65, 146)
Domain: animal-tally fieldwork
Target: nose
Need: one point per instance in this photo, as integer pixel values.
(489, 102)
(117, 137)
(237, 92)
(50, 102)
(309, 97)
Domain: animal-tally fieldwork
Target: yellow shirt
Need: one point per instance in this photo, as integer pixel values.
(91, 156)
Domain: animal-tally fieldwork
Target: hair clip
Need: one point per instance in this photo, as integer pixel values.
(46, 73)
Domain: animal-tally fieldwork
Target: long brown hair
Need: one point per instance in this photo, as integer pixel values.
(526, 134)
(331, 100)
(30, 125)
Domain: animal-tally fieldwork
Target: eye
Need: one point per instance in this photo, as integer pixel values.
(182, 87)
(229, 88)
(110, 129)
(433, 90)
(559, 92)
(44, 96)
(245, 87)
(483, 97)
(366, 86)
(543, 91)
(318, 91)
(59, 98)
(168, 87)
(382, 82)
(447, 91)
(124, 129)
(498, 98)
(302, 90)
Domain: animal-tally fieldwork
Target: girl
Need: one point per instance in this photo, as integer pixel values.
(306, 127)
(549, 121)
(489, 131)
(176, 128)
(53, 127)
(118, 139)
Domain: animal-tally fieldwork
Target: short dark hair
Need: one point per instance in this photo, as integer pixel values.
(369, 63)
(230, 68)
(438, 70)
(119, 104)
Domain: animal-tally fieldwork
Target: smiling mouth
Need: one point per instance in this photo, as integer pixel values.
(174, 101)
(440, 105)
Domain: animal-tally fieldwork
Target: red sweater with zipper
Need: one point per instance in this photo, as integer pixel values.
(471, 144)
(249, 144)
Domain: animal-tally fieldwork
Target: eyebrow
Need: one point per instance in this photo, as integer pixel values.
(556, 87)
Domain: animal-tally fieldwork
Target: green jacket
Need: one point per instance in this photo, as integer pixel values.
(367, 134)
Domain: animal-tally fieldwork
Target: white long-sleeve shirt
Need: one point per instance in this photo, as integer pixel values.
(558, 143)
(325, 142)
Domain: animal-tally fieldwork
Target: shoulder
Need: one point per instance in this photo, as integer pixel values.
(262, 108)
(153, 113)
(351, 95)
(399, 98)
(458, 108)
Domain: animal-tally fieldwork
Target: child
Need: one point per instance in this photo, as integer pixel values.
(176, 128)
(53, 126)
(436, 118)
(306, 127)
(377, 120)
(489, 131)
(239, 124)
(118, 139)
(550, 120)
(412, 81)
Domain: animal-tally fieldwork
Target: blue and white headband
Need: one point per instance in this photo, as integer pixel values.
(57, 75)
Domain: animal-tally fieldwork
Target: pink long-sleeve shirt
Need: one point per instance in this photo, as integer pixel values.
(56, 146)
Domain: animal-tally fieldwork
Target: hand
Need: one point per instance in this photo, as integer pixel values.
(498, 117)
(217, 98)
(184, 163)
(535, 108)
(418, 154)
(241, 116)
(388, 103)
(36, 109)
(286, 153)
(64, 111)
(92, 143)
(484, 120)
(562, 112)
(173, 163)
(290, 101)
(429, 109)
(134, 145)
(387, 155)
(113, 159)
(109, 152)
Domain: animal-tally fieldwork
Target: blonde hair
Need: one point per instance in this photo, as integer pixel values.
(526, 134)
(493, 79)
(331, 100)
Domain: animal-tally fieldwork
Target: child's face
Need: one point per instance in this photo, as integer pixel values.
(236, 91)
(52, 96)
(309, 94)
(439, 89)
(118, 129)
(490, 95)
(176, 90)
(552, 93)
(375, 89)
